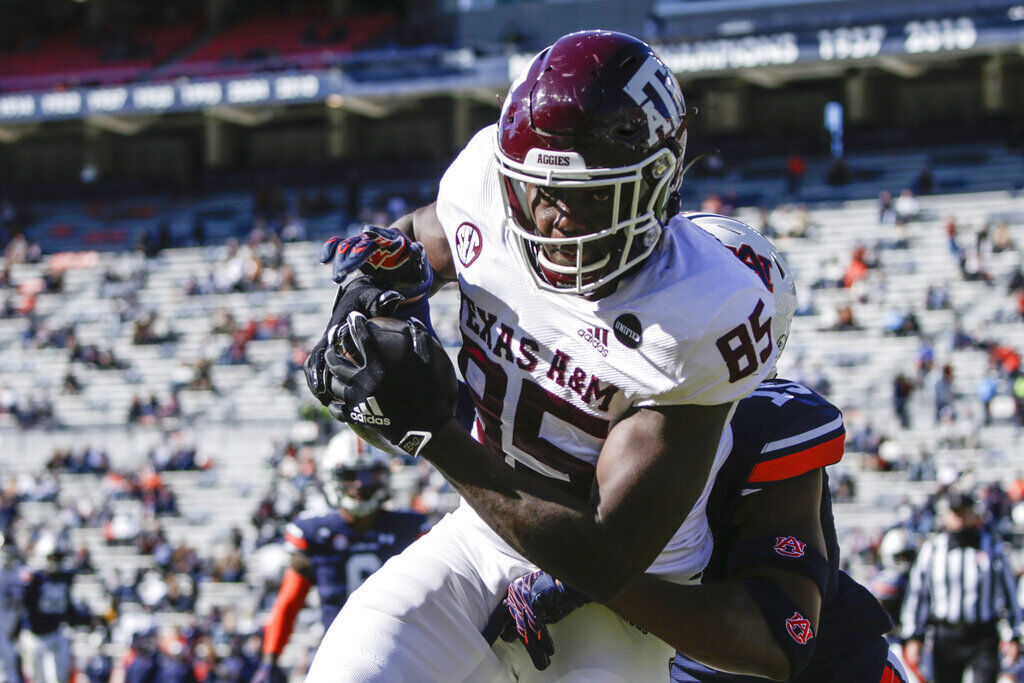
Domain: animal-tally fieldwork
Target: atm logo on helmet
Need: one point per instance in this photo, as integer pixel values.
(647, 88)
(788, 546)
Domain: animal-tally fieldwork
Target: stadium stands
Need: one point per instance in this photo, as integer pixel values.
(263, 39)
(247, 406)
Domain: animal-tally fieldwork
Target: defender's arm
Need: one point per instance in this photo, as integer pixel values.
(651, 471)
(423, 226)
(298, 579)
(720, 624)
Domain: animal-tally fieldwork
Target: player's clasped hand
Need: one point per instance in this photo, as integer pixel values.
(362, 295)
(389, 379)
(532, 602)
(385, 254)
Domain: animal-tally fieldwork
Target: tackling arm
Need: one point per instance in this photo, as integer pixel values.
(720, 624)
(651, 471)
(423, 226)
(290, 598)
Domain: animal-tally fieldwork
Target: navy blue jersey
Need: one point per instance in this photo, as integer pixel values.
(48, 601)
(342, 558)
(781, 431)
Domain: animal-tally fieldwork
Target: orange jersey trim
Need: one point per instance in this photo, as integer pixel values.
(297, 541)
(801, 462)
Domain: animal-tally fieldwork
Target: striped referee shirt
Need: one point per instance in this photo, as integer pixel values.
(960, 584)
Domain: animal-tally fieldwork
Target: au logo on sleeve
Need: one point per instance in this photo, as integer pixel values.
(468, 243)
(799, 628)
(789, 546)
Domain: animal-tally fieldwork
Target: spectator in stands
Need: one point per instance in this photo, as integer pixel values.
(1018, 398)
(294, 229)
(972, 263)
(944, 394)
(838, 172)
(145, 333)
(70, 384)
(987, 388)
(202, 377)
(902, 389)
(886, 214)
(907, 206)
(103, 359)
(937, 298)
(236, 351)
(711, 204)
(902, 324)
(796, 167)
(1001, 239)
(860, 264)
(925, 182)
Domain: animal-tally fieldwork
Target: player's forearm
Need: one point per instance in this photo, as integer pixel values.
(718, 625)
(290, 599)
(558, 532)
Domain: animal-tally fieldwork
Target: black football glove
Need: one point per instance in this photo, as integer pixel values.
(385, 254)
(362, 295)
(394, 382)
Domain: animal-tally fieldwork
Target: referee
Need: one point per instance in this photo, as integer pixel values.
(960, 586)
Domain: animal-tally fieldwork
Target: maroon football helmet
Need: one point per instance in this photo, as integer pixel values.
(597, 114)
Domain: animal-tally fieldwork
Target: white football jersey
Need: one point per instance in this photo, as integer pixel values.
(552, 373)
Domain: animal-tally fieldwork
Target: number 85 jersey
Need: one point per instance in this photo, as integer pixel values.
(551, 373)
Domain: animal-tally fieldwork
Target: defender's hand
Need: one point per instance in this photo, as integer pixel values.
(385, 254)
(515, 619)
(551, 599)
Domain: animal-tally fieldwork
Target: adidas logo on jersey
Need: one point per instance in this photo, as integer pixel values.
(596, 337)
(368, 412)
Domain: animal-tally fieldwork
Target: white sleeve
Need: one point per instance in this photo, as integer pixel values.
(733, 355)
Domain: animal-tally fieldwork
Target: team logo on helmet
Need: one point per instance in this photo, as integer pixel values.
(648, 88)
(468, 243)
(762, 265)
(799, 628)
(788, 546)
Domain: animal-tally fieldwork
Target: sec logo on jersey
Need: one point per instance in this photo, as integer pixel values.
(468, 243)
(788, 546)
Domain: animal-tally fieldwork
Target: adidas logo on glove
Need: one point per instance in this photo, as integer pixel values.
(368, 412)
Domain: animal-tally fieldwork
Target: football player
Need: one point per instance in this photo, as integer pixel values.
(48, 608)
(772, 602)
(605, 342)
(12, 578)
(336, 551)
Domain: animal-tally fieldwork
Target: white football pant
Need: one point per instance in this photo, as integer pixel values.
(419, 618)
(9, 671)
(48, 657)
